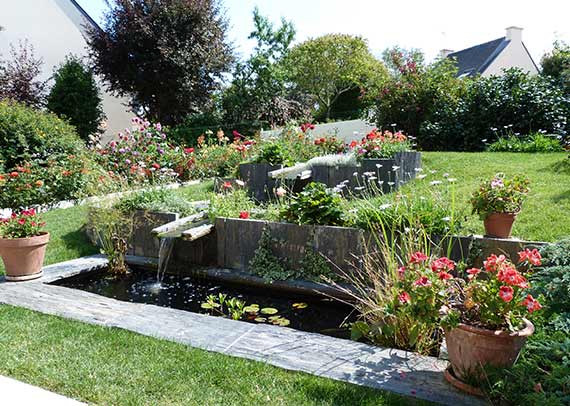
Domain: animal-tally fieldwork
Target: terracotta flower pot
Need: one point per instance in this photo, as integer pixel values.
(499, 224)
(24, 257)
(471, 348)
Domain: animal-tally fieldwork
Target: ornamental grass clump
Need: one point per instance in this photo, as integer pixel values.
(497, 296)
(398, 290)
(501, 194)
(23, 224)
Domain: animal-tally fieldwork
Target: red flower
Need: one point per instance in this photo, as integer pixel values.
(14, 174)
(21, 221)
(307, 126)
(155, 166)
(418, 257)
(444, 275)
(244, 215)
(401, 272)
(531, 304)
(473, 272)
(188, 150)
(533, 257)
(442, 264)
(237, 135)
(404, 298)
(493, 262)
(423, 282)
(66, 173)
(506, 293)
(353, 144)
(511, 276)
(227, 185)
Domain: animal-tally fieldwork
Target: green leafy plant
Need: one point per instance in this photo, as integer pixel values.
(315, 204)
(161, 200)
(500, 195)
(532, 143)
(24, 224)
(265, 264)
(236, 309)
(273, 153)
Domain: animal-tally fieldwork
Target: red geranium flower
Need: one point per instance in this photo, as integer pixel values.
(531, 304)
(155, 166)
(423, 282)
(511, 276)
(14, 174)
(493, 262)
(418, 257)
(188, 150)
(444, 275)
(506, 293)
(442, 264)
(533, 257)
(404, 298)
(227, 185)
(244, 215)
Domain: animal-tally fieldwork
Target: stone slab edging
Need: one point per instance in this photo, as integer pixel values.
(343, 360)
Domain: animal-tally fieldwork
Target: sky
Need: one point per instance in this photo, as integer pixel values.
(424, 24)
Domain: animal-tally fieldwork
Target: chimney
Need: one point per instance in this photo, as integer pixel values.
(514, 34)
(444, 52)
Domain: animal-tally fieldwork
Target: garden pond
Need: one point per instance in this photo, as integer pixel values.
(302, 312)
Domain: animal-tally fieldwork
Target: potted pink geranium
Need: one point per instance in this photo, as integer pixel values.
(485, 324)
(23, 245)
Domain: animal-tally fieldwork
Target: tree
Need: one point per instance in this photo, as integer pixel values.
(329, 66)
(556, 65)
(168, 55)
(259, 92)
(19, 76)
(75, 96)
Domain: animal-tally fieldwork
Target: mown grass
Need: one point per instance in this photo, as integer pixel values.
(546, 213)
(110, 366)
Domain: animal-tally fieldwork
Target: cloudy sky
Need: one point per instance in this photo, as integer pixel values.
(428, 25)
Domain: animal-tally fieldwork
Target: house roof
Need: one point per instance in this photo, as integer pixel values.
(85, 14)
(474, 60)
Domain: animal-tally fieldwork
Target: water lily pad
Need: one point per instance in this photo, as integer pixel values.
(281, 321)
(260, 319)
(269, 310)
(271, 318)
(251, 309)
(300, 305)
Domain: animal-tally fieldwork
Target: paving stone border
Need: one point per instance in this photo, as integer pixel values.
(387, 369)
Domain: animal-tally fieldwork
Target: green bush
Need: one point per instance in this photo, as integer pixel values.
(273, 153)
(532, 143)
(27, 134)
(315, 205)
(518, 101)
(158, 200)
(75, 97)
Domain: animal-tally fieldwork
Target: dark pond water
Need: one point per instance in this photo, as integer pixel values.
(325, 316)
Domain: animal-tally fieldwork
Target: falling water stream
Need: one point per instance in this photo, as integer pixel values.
(164, 253)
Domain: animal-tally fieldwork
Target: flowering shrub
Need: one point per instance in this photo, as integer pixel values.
(220, 157)
(143, 154)
(496, 297)
(329, 145)
(500, 195)
(24, 224)
(379, 144)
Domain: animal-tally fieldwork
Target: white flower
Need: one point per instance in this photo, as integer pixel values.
(359, 188)
(418, 169)
(385, 206)
(240, 182)
(370, 179)
(355, 174)
(451, 179)
(340, 186)
(446, 175)
(378, 166)
(446, 219)
(380, 182)
(395, 168)
(368, 174)
(433, 171)
(280, 192)
(391, 183)
(421, 176)
(435, 182)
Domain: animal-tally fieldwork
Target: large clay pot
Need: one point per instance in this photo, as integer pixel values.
(499, 224)
(24, 257)
(471, 348)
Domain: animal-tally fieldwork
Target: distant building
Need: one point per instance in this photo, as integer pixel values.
(492, 57)
(57, 28)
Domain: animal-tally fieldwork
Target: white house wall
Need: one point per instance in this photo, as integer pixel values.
(514, 55)
(55, 29)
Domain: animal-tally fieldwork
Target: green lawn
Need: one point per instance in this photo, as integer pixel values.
(546, 213)
(110, 366)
